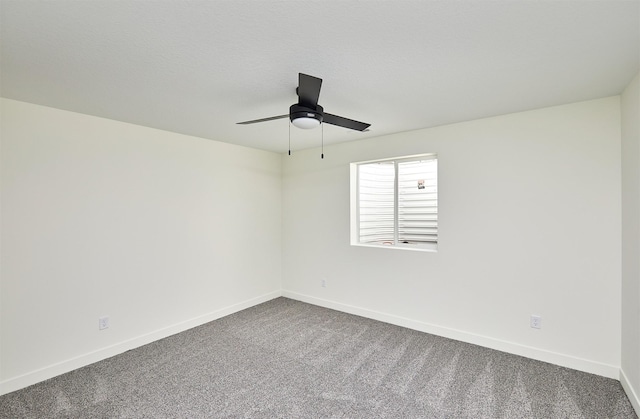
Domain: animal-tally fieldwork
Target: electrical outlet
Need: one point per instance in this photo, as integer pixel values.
(103, 323)
(323, 284)
(536, 321)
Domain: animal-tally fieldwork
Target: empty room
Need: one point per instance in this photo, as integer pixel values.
(302, 209)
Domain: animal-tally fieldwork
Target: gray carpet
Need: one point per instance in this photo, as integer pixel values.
(286, 359)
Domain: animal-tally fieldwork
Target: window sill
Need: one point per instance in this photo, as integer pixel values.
(413, 248)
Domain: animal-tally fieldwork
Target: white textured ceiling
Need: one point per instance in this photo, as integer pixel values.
(198, 67)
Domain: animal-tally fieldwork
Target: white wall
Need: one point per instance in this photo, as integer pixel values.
(157, 230)
(630, 363)
(529, 208)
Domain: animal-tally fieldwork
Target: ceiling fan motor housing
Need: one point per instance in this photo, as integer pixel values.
(297, 111)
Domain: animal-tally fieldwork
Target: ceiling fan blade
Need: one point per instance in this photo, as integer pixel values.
(263, 120)
(345, 122)
(308, 90)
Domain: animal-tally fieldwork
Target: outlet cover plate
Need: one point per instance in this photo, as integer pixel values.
(536, 321)
(103, 323)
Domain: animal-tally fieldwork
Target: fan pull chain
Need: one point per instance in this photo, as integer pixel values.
(289, 137)
(322, 134)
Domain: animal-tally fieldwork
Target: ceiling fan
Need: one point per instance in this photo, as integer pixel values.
(307, 114)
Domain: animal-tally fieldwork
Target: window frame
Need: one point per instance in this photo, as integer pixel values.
(355, 205)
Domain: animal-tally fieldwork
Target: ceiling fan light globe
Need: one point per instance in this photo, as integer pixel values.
(306, 122)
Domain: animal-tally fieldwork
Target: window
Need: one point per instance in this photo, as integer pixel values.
(395, 202)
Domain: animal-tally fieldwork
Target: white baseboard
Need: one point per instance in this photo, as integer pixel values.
(51, 371)
(631, 393)
(555, 358)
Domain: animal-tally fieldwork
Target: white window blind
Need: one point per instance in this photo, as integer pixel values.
(418, 201)
(397, 201)
(376, 193)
